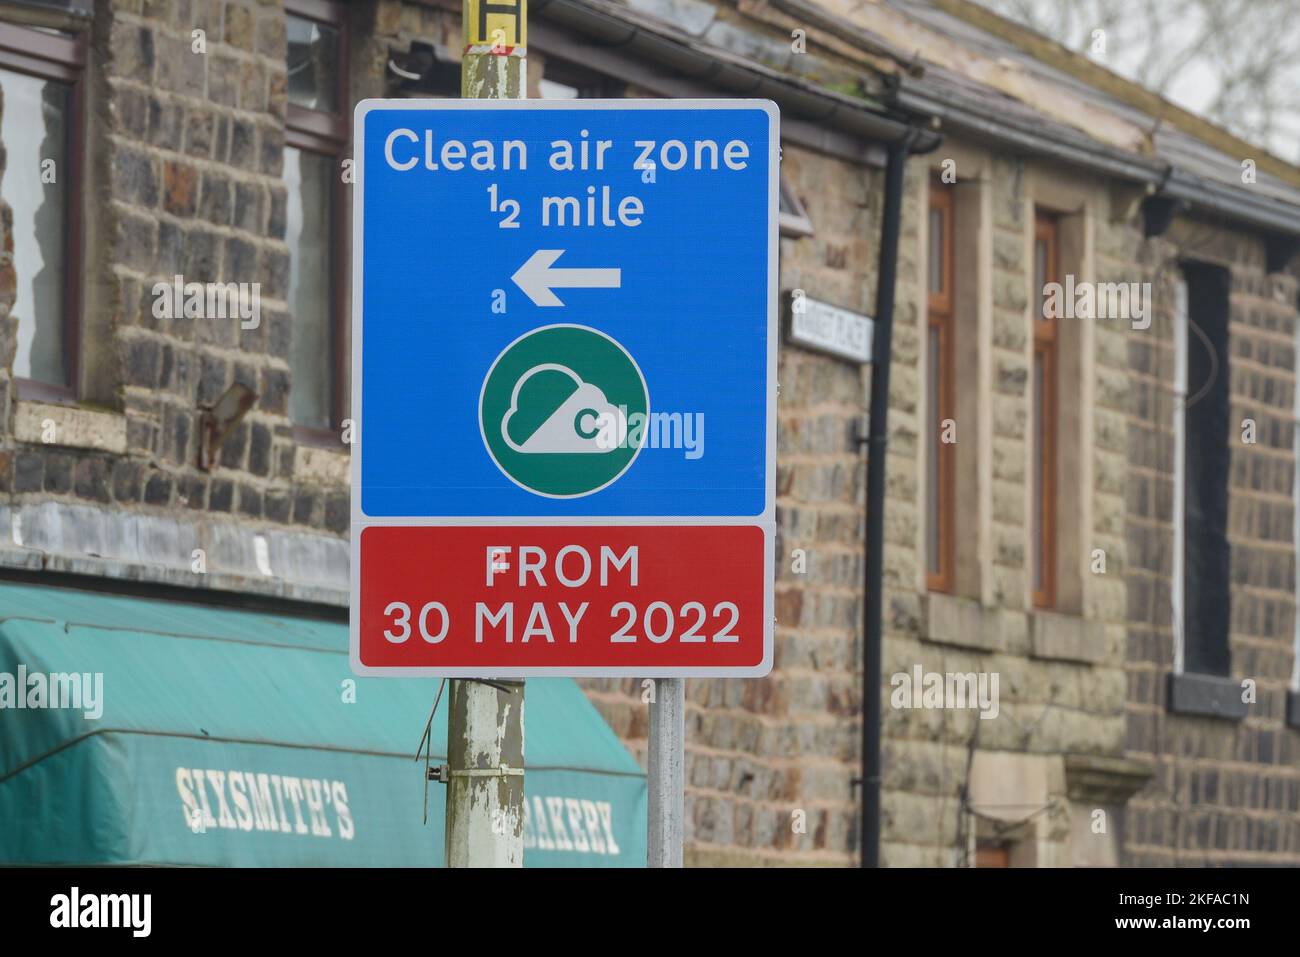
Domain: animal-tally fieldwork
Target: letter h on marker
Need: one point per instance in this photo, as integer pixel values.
(505, 9)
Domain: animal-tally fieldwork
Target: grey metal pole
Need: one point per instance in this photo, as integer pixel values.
(485, 722)
(667, 772)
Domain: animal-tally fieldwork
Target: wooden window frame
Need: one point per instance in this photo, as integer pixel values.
(62, 59)
(329, 134)
(940, 319)
(1047, 230)
(991, 853)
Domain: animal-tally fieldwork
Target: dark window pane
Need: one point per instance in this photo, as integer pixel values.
(310, 179)
(34, 133)
(313, 60)
(1207, 466)
(936, 250)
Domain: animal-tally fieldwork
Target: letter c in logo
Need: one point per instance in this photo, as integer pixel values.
(577, 423)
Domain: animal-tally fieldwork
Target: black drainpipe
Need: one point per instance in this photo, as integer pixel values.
(877, 436)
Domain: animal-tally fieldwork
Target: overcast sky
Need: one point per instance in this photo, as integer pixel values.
(1234, 61)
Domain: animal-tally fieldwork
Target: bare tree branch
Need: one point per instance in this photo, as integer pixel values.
(1235, 61)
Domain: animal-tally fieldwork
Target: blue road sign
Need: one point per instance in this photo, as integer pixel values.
(564, 310)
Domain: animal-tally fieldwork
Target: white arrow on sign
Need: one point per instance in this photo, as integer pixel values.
(537, 277)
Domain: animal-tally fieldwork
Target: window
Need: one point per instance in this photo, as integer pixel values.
(41, 83)
(1045, 393)
(315, 143)
(1204, 591)
(794, 219)
(425, 69)
(940, 393)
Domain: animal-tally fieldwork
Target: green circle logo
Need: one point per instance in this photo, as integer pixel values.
(555, 408)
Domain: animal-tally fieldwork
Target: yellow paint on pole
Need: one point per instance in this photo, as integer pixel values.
(493, 65)
(499, 24)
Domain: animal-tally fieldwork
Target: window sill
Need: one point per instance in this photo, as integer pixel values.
(1104, 779)
(319, 438)
(319, 465)
(72, 427)
(961, 622)
(29, 390)
(1209, 696)
(1057, 637)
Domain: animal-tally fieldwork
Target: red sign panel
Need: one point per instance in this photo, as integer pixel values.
(536, 599)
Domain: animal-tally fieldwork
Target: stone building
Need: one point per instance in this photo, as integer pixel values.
(1076, 508)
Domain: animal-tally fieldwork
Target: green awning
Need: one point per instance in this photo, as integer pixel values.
(228, 737)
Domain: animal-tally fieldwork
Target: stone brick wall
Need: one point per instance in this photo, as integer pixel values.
(184, 178)
(196, 144)
(1061, 682)
(758, 752)
(1223, 792)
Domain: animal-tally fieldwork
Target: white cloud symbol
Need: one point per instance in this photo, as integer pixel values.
(584, 422)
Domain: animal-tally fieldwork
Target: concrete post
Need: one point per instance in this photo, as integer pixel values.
(485, 762)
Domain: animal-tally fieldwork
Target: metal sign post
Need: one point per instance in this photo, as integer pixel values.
(666, 773)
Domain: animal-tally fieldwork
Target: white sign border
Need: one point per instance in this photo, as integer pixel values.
(766, 520)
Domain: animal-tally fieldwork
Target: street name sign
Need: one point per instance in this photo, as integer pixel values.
(830, 329)
(564, 333)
